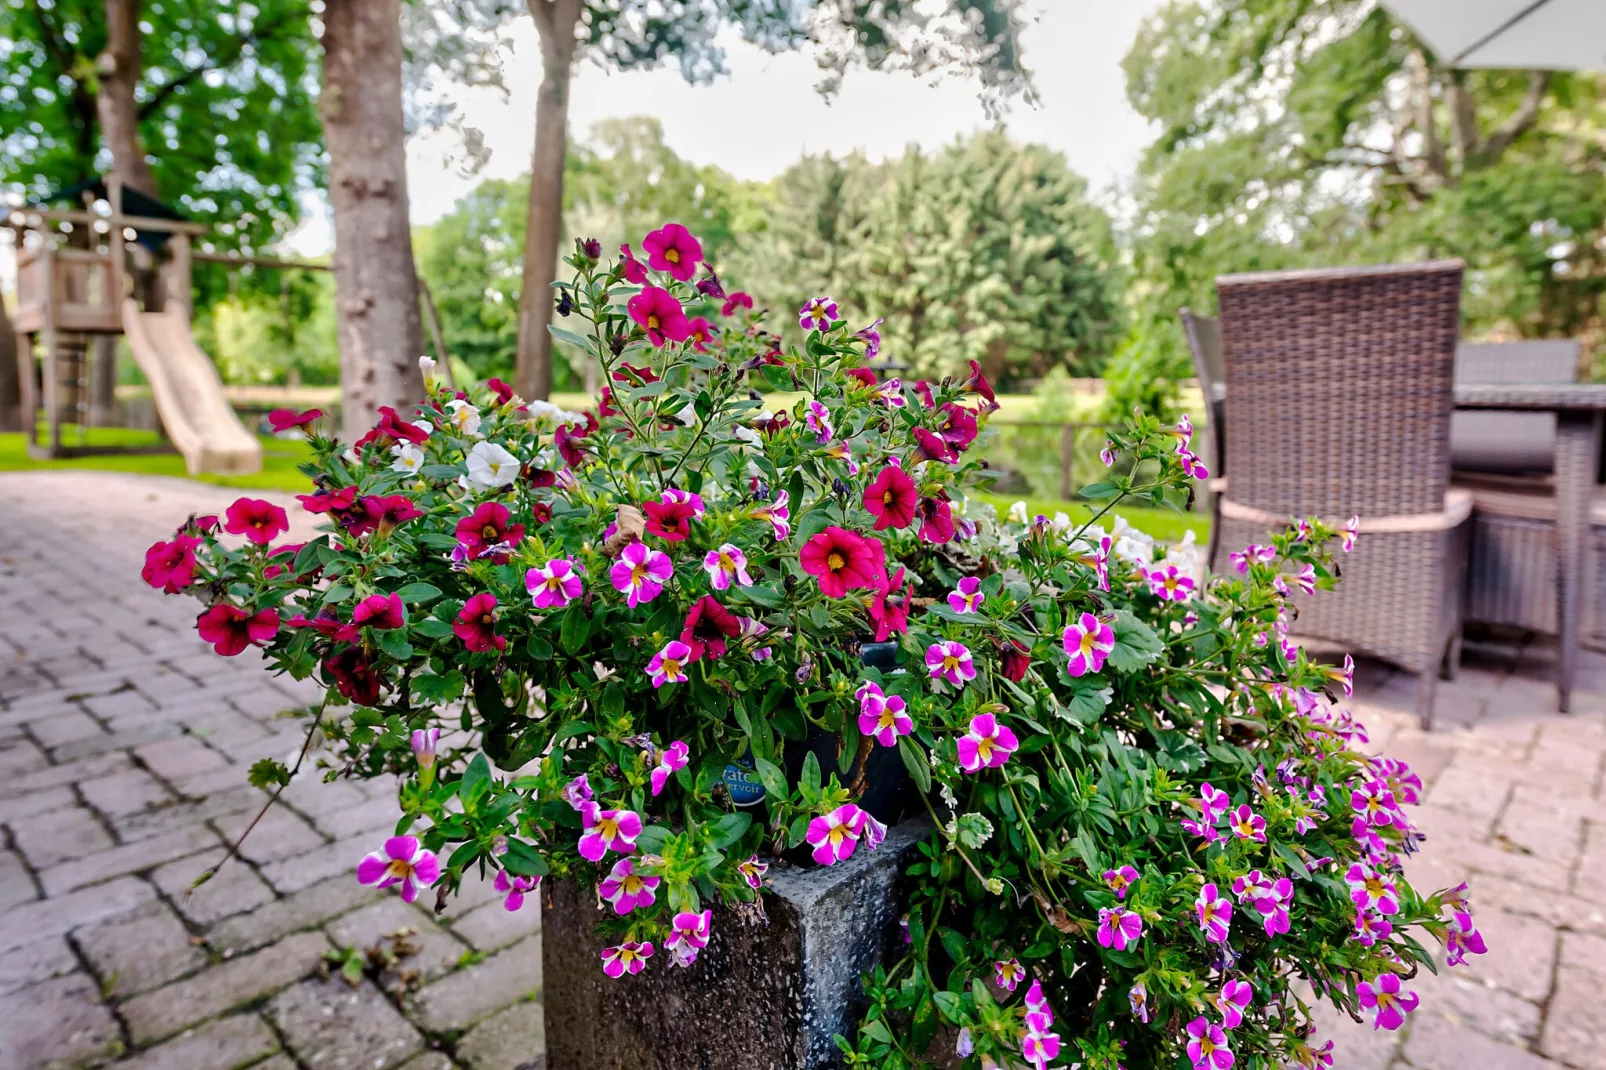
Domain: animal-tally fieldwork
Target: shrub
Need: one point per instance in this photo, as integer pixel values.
(561, 632)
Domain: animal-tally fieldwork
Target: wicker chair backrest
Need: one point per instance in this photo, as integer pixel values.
(1340, 388)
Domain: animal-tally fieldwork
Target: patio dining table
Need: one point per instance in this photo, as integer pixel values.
(1578, 408)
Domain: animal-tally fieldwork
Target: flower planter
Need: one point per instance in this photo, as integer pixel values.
(761, 995)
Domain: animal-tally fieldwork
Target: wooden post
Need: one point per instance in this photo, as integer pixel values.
(177, 297)
(1067, 460)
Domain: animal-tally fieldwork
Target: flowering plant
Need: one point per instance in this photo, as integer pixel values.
(563, 633)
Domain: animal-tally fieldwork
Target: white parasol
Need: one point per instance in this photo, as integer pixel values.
(1520, 34)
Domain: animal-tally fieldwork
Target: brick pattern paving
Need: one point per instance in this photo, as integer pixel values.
(123, 749)
(124, 745)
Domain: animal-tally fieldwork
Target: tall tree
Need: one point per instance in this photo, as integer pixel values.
(376, 287)
(882, 34)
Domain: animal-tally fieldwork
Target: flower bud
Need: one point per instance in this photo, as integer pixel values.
(592, 248)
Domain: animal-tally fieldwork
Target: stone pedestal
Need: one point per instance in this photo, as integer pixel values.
(759, 997)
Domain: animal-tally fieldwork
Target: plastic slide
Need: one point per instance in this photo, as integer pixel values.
(189, 395)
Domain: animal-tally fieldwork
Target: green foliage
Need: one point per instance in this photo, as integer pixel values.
(254, 337)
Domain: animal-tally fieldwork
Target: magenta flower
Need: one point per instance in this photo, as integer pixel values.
(776, 514)
(1370, 927)
(1169, 585)
(834, 835)
(382, 611)
(1038, 1046)
(1254, 552)
(1138, 1000)
(987, 745)
(817, 315)
(170, 566)
(1088, 641)
(425, 740)
(1193, 465)
(487, 533)
(659, 315)
(555, 584)
(1205, 831)
(1119, 928)
(1462, 939)
(753, 872)
(1214, 914)
(514, 889)
(968, 597)
(1371, 890)
(672, 248)
(1213, 802)
(640, 573)
(259, 521)
(626, 889)
(688, 935)
(1305, 579)
(950, 661)
(282, 420)
(881, 716)
(725, 566)
(1374, 802)
(1343, 675)
(1207, 1046)
(1119, 880)
(1100, 560)
(891, 498)
(1388, 1003)
(607, 830)
(668, 666)
(673, 757)
(577, 792)
(403, 860)
(1008, 973)
(1247, 825)
(231, 629)
(1235, 997)
(818, 420)
(842, 560)
(1350, 531)
(628, 957)
(633, 270)
(476, 624)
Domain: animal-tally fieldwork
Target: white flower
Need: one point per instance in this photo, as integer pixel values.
(465, 418)
(1186, 556)
(409, 458)
(1062, 522)
(1017, 513)
(489, 465)
(1131, 544)
(424, 426)
(427, 366)
(748, 435)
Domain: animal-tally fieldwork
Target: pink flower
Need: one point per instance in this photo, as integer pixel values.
(699, 331)
(1119, 880)
(1242, 559)
(842, 560)
(889, 605)
(1349, 533)
(817, 314)
(425, 741)
(668, 666)
(776, 514)
(608, 830)
(1387, 1002)
(673, 758)
(1138, 1000)
(950, 661)
(1201, 829)
(1235, 997)
(1214, 914)
(555, 584)
(1213, 803)
(670, 518)
(1462, 939)
(672, 248)
(640, 573)
(1119, 928)
(688, 935)
(735, 301)
(403, 860)
(1305, 579)
(231, 629)
(1371, 890)
(1169, 585)
(882, 717)
(1193, 465)
(628, 957)
(514, 888)
(725, 566)
(634, 271)
(1008, 973)
(170, 566)
(936, 519)
(660, 315)
(282, 420)
(259, 521)
(476, 624)
(1089, 642)
(968, 597)
(818, 420)
(891, 497)
(707, 626)
(577, 792)
(626, 889)
(381, 611)
(1374, 802)
(1207, 1046)
(1343, 675)
(488, 534)
(1247, 825)
(1370, 927)
(834, 835)
(753, 871)
(1039, 1046)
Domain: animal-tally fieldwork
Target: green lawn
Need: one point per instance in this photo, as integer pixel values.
(1166, 525)
(279, 460)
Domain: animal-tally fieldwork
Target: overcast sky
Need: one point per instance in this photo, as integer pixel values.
(765, 113)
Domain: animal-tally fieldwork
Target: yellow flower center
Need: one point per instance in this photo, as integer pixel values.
(1374, 886)
(672, 255)
(671, 667)
(835, 561)
(652, 322)
(399, 869)
(950, 663)
(488, 532)
(1089, 641)
(984, 748)
(888, 719)
(608, 828)
(638, 575)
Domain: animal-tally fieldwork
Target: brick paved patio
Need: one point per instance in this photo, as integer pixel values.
(123, 749)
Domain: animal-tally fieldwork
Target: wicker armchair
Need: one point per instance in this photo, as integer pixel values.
(1204, 344)
(1339, 396)
(1506, 460)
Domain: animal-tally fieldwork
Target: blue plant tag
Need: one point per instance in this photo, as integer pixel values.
(741, 780)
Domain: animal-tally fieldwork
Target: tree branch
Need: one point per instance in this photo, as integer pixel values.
(223, 61)
(1519, 121)
(1422, 108)
(66, 61)
(1463, 115)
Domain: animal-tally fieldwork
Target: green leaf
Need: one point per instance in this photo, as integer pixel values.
(1088, 700)
(973, 830)
(307, 557)
(1136, 644)
(475, 783)
(950, 1005)
(576, 626)
(438, 689)
(778, 377)
(539, 648)
(773, 778)
(653, 839)
(914, 759)
(266, 772)
(522, 860)
(809, 779)
(729, 829)
(430, 628)
(568, 337)
(393, 641)
(419, 593)
(1099, 490)
(763, 595)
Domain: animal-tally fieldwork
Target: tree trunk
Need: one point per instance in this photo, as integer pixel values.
(376, 285)
(10, 375)
(119, 69)
(555, 20)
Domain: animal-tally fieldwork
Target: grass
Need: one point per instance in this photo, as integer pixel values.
(1166, 525)
(279, 460)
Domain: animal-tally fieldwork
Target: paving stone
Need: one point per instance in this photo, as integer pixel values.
(1437, 1044)
(35, 962)
(63, 913)
(165, 1011)
(1548, 831)
(16, 883)
(130, 858)
(125, 793)
(51, 776)
(278, 835)
(506, 1039)
(122, 739)
(328, 1024)
(148, 948)
(61, 835)
(1576, 1020)
(1355, 1046)
(439, 951)
(303, 871)
(1522, 954)
(179, 757)
(234, 889)
(1468, 1002)
(375, 815)
(239, 798)
(221, 1045)
(56, 1023)
(39, 802)
(491, 926)
(64, 726)
(434, 1060)
(458, 1001)
(306, 909)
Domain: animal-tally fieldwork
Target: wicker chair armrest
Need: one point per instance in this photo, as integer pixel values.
(1457, 508)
